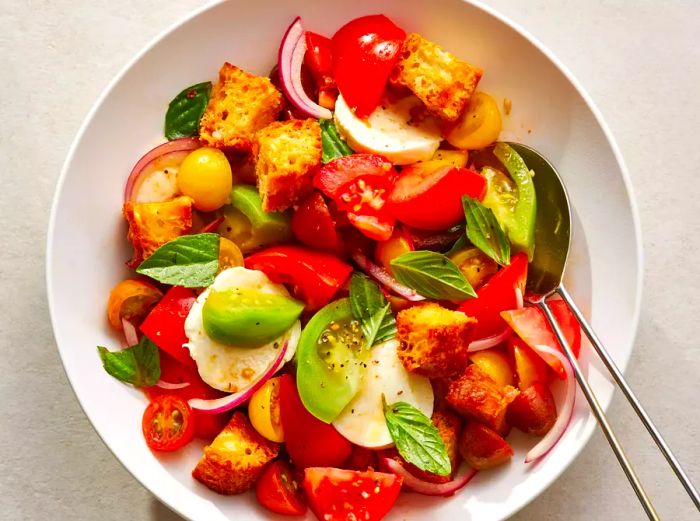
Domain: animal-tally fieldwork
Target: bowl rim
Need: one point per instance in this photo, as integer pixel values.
(588, 429)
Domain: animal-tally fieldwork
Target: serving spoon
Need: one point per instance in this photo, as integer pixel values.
(545, 274)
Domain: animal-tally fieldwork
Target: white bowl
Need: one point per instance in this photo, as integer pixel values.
(87, 246)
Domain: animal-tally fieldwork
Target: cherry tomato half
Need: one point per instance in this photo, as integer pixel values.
(167, 423)
(319, 60)
(131, 299)
(339, 495)
(313, 225)
(365, 51)
(278, 490)
(431, 198)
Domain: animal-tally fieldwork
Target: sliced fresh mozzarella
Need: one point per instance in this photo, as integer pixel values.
(231, 368)
(362, 421)
(391, 131)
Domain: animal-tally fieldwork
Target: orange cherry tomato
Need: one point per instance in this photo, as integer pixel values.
(131, 299)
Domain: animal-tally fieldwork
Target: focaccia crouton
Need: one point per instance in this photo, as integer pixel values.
(153, 224)
(434, 340)
(482, 448)
(477, 396)
(236, 458)
(240, 105)
(287, 155)
(441, 81)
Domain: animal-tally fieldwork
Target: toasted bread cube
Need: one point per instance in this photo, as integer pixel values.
(477, 396)
(441, 81)
(240, 105)
(434, 340)
(236, 458)
(153, 224)
(287, 155)
(482, 448)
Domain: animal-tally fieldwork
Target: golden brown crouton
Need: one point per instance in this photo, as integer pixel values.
(476, 395)
(434, 340)
(482, 448)
(288, 152)
(240, 105)
(153, 224)
(236, 458)
(436, 76)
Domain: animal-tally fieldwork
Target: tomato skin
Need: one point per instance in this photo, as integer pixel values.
(319, 59)
(432, 199)
(313, 224)
(131, 299)
(339, 495)
(167, 423)
(532, 327)
(398, 244)
(309, 441)
(165, 324)
(333, 177)
(365, 51)
(278, 490)
(497, 295)
(206, 426)
(315, 276)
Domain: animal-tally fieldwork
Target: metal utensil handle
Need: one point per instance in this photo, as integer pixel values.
(632, 399)
(600, 416)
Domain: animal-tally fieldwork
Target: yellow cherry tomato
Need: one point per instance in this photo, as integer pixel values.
(264, 411)
(131, 299)
(476, 266)
(478, 126)
(456, 158)
(495, 364)
(396, 245)
(230, 255)
(205, 175)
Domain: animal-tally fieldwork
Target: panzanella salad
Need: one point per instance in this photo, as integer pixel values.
(329, 265)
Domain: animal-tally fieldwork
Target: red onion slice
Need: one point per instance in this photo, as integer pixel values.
(172, 386)
(519, 298)
(383, 277)
(226, 403)
(186, 144)
(212, 226)
(412, 483)
(490, 341)
(290, 60)
(130, 334)
(566, 409)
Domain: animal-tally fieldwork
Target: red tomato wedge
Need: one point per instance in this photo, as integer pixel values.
(206, 426)
(165, 324)
(365, 51)
(342, 495)
(497, 295)
(431, 199)
(313, 225)
(308, 440)
(531, 326)
(278, 490)
(167, 423)
(319, 60)
(314, 276)
(360, 184)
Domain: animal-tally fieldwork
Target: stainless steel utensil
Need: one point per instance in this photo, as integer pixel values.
(545, 273)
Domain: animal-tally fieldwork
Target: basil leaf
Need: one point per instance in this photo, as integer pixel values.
(190, 261)
(372, 310)
(333, 145)
(417, 439)
(432, 275)
(459, 244)
(137, 365)
(484, 232)
(185, 111)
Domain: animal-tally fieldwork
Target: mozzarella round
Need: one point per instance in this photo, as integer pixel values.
(362, 421)
(390, 131)
(230, 368)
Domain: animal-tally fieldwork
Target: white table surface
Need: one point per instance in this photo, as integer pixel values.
(640, 61)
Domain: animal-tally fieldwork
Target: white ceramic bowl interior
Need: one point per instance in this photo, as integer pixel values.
(87, 245)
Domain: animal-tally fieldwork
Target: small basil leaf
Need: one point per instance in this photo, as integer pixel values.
(185, 111)
(137, 365)
(190, 261)
(333, 145)
(417, 439)
(484, 232)
(372, 310)
(432, 275)
(459, 244)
